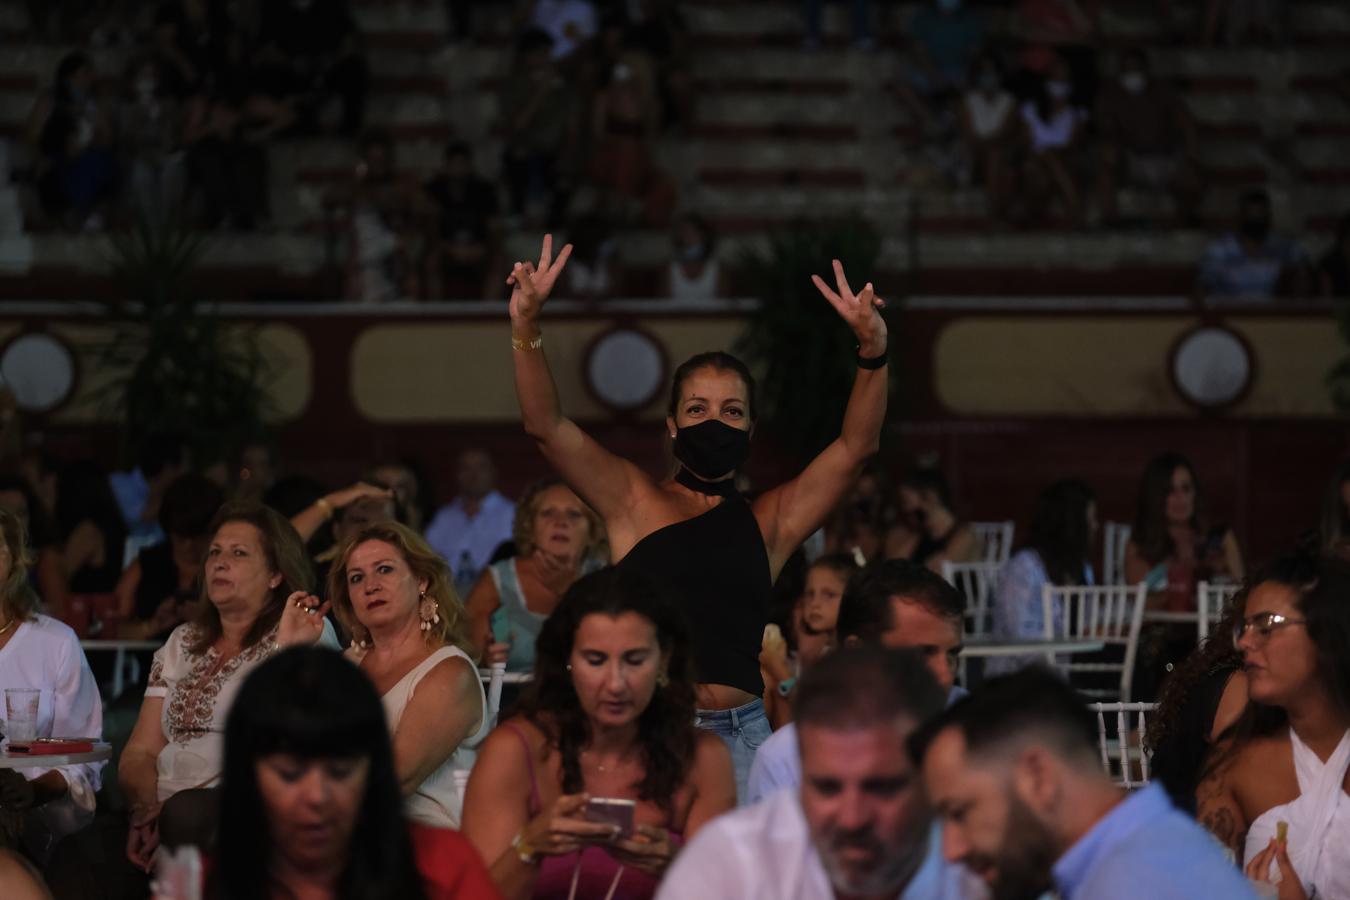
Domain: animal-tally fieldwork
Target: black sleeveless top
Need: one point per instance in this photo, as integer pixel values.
(928, 547)
(717, 567)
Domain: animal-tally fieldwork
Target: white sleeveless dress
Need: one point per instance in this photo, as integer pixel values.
(1319, 823)
(439, 799)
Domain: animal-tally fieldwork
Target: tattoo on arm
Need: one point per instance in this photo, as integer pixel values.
(1221, 824)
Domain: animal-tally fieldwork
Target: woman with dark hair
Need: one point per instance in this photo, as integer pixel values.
(71, 137)
(557, 538)
(254, 564)
(19, 497)
(1275, 788)
(609, 714)
(89, 528)
(396, 597)
(1172, 550)
(40, 804)
(926, 506)
(1335, 530)
(717, 551)
(159, 590)
(310, 806)
(1057, 552)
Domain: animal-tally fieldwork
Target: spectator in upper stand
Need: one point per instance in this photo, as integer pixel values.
(190, 45)
(90, 530)
(464, 248)
(593, 274)
(859, 15)
(658, 28)
(468, 530)
(569, 23)
(150, 132)
(1147, 138)
(1053, 31)
(695, 273)
(989, 124)
(945, 36)
(1052, 131)
(71, 138)
(926, 503)
(1243, 21)
(160, 459)
(1333, 271)
(317, 42)
(540, 116)
(1251, 264)
(625, 119)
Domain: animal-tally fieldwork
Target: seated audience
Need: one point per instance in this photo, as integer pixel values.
(310, 796)
(944, 37)
(1333, 270)
(160, 459)
(71, 136)
(570, 24)
(1057, 552)
(1274, 790)
(89, 529)
(465, 243)
(1052, 135)
(256, 469)
(926, 506)
(990, 127)
(394, 596)
(609, 714)
(1335, 532)
(254, 563)
(1172, 549)
(159, 590)
(348, 511)
(317, 48)
(149, 138)
(695, 272)
(557, 540)
(1147, 138)
(468, 530)
(860, 826)
(40, 804)
(625, 120)
(894, 604)
(1014, 772)
(408, 480)
(1251, 264)
(540, 121)
(1054, 32)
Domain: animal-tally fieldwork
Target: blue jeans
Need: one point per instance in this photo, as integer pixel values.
(743, 729)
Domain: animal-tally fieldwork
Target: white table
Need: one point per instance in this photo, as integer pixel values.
(102, 752)
(122, 648)
(983, 646)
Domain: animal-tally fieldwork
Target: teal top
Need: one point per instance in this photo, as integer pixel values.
(513, 622)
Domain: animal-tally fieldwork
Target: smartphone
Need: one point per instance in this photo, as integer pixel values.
(612, 811)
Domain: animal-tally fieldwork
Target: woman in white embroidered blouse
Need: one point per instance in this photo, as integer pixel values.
(396, 597)
(255, 564)
(40, 805)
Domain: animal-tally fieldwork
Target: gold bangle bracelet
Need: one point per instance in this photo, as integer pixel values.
(535, 344)
(324, 507)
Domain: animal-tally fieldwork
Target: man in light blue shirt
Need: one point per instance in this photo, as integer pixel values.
(467, 531)
(894, 604)
(1014, 772)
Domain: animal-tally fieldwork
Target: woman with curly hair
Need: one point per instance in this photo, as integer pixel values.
(395, 596)
(610, 714)
(558, 539)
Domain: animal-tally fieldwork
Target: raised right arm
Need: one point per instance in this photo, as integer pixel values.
(605, 481)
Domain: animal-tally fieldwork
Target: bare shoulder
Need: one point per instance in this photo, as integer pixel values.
(507, 738)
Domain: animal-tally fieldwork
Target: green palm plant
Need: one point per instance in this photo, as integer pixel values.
(795, 342)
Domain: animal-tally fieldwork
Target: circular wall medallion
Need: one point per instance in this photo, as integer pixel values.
(1212, 366)
(625, 369)
(40, 369)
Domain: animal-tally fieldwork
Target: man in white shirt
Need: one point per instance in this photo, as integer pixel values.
(893, 604)
(468, 530)
(860, 827)
(569, 22)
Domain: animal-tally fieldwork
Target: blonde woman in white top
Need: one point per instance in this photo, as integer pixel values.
(396, 597)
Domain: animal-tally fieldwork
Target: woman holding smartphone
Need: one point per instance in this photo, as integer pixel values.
(605, 737)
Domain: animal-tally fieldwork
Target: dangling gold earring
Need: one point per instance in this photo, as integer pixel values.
(429, 613)
(663, 680)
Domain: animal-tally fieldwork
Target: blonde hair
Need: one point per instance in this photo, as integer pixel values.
(18, 599)
(522, 529)
(426, 565)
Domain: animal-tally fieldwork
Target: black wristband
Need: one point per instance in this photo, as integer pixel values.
(873, 362)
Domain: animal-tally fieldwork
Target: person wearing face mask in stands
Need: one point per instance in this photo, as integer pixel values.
(1250, 264)
(695, 273)
(695, 532)
(1052, 133)
(1148, 138)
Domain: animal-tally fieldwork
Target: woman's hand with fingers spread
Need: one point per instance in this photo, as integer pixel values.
(301, 620)
(531, 284)
(859, 311)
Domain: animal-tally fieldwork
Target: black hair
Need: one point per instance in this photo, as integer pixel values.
(39, 527)
(1335, 529)
(1150, 533)
(703, 227)
(312, 703)
(83, 494)
(458, 148)
(929, 478)
(159, 451)
(865, 610)
(666, 729)
(713, 359)
(862, 686)
(71, 63)
(189, 505)
(1034, 700)
(1059, 530)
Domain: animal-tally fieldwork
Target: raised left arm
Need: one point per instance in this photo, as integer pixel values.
(789, 513)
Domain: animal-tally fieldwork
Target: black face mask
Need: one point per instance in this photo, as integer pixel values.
(1255, 229)
(712, 449)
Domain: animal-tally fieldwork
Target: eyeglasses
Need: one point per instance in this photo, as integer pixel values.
(1263, 624)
